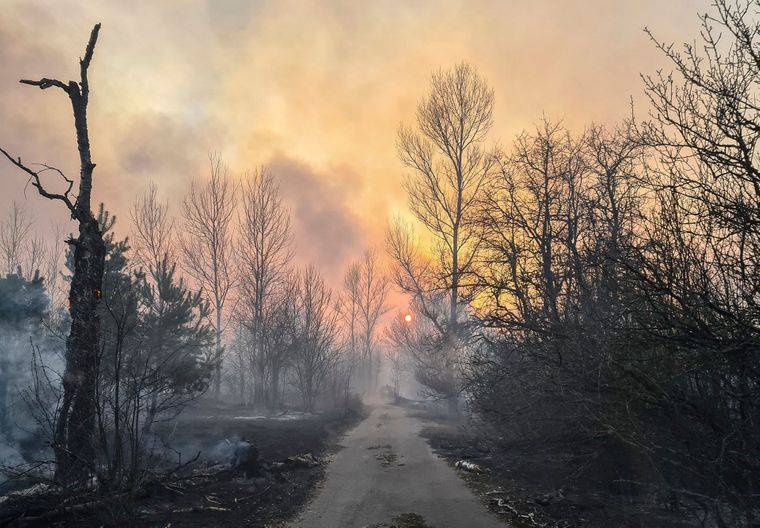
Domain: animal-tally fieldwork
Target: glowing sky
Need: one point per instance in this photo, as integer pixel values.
(314, 89)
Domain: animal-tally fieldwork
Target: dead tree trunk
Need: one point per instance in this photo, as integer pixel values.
(73, 435)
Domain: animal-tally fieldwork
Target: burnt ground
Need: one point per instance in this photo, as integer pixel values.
(533, 486)
(207, 492)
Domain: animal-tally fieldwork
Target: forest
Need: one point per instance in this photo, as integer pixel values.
(572, 315)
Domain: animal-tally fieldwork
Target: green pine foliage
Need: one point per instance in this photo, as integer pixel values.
(156, 342)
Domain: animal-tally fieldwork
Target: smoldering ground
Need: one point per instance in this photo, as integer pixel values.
(30, 363)
(211, 490)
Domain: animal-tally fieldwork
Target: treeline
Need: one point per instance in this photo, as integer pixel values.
(601, 289)
(208, 303)
(276, 325)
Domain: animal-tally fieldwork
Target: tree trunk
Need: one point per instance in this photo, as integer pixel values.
(368, 356)
(73, 436)
(4, 374)
(275, 387)
(242, 384)
(218, 369)
(259, 395)
(73, 441)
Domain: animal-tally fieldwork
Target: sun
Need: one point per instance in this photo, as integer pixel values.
(408, 318)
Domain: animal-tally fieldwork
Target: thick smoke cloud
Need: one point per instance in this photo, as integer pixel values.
(323, 82)
(326, 232)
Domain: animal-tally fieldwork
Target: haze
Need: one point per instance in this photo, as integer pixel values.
(315, 90)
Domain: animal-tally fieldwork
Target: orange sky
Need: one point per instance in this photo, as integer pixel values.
(314, 89)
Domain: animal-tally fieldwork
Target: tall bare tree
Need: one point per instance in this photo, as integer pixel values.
(265, 250)
(530, 228)
(348, 308)
(24, 251)
(207, 244)
(280, 337)
(450, 166)
(75, 421)
(362, 304)
(373, 289)
(317, 352)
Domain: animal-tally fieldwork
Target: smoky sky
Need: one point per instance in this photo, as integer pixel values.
(325, 230)
(316, 89)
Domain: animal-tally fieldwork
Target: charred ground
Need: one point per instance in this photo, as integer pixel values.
(561, 483)
(206, 491)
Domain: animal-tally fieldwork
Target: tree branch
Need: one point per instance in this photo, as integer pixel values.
(35, 180)
(84, 63)
(46, 83)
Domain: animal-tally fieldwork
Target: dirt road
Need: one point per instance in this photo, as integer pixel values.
(387, 469)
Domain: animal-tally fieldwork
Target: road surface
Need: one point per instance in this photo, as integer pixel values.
(387, 469)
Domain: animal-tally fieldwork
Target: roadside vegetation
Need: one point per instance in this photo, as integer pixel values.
(591, 296)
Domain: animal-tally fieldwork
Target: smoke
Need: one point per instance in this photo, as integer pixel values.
(327, 233)
(9, 454)
(224, 451)
(25, 342)
(22, 439)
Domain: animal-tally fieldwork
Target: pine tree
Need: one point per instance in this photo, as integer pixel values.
(155, 356)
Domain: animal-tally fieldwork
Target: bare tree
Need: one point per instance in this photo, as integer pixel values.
(531, 229)
(24, 251)
(152, 229)
(15, 232)
(397, 333)
(317, 350)
(52, 267)
(373, 288)
(348, 308)
(362, 305)
(700, 265)
(280, 337)
(450, 168)
(75, 422)
(265, 250)
(206, 244)
(621, 273)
